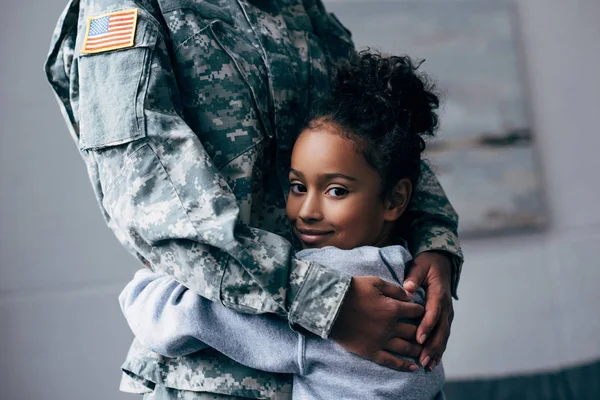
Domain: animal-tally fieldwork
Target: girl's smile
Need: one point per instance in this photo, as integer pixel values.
(312, 237)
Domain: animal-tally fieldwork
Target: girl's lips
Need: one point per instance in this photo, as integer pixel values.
(313, 237)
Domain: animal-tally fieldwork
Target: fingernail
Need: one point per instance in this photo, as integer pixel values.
(410, 285)
(422, 338)
(426, 361)
(432, 366)
(414, 367)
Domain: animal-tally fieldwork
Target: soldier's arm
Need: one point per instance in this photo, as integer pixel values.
(336, 38)
(161, 193)
(433, 223)
(173, 321)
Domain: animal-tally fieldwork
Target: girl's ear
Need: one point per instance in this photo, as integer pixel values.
(397, 200)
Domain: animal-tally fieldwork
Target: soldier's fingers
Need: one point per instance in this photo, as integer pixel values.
(393, 290)
(390, 361)
(409, 310)
(433, 309)
(406, 331)
(434, 349)
(404, 348)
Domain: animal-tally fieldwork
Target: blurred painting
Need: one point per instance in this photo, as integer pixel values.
(483, 154)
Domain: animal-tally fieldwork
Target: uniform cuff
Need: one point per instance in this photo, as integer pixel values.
(319, 299)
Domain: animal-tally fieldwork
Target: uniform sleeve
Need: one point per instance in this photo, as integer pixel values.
(161, 193)
(336, 38)
(173, 321)
(433, 223)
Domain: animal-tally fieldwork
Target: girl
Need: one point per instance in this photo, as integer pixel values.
(351, 178)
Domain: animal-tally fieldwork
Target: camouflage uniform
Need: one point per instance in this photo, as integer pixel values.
(187, 137)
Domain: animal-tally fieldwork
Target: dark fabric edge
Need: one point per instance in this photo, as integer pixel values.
(581, 382)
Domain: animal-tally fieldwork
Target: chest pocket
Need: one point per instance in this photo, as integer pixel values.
(112, 87)
(222, 80)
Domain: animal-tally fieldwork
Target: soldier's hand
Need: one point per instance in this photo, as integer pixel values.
(368, 326)
(432, 270)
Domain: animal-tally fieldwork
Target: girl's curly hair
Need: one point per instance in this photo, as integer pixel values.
(386, 107)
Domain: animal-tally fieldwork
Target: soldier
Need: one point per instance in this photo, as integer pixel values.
(184, 112)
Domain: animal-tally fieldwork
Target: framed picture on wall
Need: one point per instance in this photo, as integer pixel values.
(484, 152)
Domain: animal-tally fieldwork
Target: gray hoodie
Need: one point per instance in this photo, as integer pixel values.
(173, 321)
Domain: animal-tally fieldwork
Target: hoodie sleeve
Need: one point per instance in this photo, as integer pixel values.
(173, 321)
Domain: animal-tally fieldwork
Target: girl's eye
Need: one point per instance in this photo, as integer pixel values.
(297, 188)
(337, 192)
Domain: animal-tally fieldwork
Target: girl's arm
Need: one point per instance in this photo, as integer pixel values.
(173, 321)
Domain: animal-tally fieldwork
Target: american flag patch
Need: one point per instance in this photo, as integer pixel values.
(110, 31)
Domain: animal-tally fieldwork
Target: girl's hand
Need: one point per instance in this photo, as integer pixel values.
(432, 270)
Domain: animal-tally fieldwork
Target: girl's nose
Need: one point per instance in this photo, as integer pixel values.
(311, 209)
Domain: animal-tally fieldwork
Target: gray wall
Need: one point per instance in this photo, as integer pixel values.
(61, 269)
(528, 302)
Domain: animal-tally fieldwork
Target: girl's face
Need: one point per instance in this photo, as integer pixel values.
(334, 197)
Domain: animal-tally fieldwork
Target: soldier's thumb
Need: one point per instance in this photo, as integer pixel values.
(416, 275)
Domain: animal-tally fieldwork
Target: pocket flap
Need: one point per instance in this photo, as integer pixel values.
(113, 81)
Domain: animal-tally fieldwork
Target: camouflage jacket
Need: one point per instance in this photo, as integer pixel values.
(186, 133)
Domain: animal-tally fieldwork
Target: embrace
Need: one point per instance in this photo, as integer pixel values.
(269, 178)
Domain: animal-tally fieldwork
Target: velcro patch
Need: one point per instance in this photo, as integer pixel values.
(110, 31)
